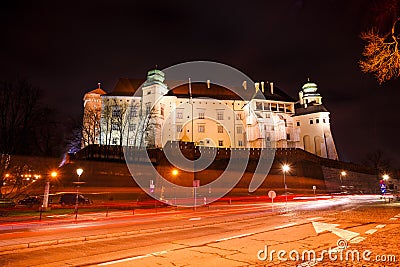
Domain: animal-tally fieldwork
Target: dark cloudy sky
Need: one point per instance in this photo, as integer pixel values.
(66, 47)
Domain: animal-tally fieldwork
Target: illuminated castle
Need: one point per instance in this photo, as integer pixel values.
(147, 112)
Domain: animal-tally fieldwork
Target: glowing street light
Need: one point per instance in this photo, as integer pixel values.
(385, 177)
(175, 172)
(285, 168)
(342, 174)
(79, 173)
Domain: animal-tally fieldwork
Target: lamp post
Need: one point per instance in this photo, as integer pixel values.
(175, 173)
(285, 168)
(342, 174)
(45, 205)
(79, 173)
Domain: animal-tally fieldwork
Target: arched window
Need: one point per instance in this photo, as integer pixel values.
(307, 143)
(318, 141)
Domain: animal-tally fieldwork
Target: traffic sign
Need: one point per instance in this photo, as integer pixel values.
(196, 183)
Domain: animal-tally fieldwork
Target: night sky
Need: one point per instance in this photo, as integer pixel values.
(67, 47)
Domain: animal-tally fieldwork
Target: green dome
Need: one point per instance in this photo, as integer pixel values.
(310, 87)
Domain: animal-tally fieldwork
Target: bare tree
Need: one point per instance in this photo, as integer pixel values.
(91, 126)
(378, 161)
(19, 110)
(381, 54)
(4, 167)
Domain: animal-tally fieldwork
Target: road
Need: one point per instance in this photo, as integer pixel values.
(238, 235)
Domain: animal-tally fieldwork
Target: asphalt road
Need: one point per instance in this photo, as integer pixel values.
(238, 235)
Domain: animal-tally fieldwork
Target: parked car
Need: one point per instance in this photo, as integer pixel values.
(70, 199)
(31, 201)
(6, 203)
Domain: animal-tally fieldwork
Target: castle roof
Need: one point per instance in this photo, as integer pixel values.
(127, 87)
(97, 91)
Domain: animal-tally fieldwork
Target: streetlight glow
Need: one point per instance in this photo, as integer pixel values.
(79, 171)
(385, 177)
(285, 168)
(53, 174)
(343, 173)
(174, 172)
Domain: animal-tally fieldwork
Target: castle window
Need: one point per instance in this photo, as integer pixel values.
(239, 116)
(259, 105)
(323, 120)
(287, 136)
(116, 112)
(179, 115)
(220, 115)
(220, 129)
(114, 126)
(201, 115)
(162, 110)
(317, 120)
(148, 107)
(132, 127)
(239, 129)
(201, 128)
(133, 112)
(311, 122)
(131, 141)
(115, 140)
(179, 128)
(240, 143)
(220, 142)
(267, 115)
(297, 123)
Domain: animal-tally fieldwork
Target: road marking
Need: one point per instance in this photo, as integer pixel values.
(133, 258)
(194, 219)
(371, 231)
(393, 219)
(379, 226)
(314, 219)
(233, 237)
(358, 239)
(320, 227)
(285, 225)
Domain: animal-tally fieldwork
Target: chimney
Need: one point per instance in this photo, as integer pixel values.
(208, 84)
(262, 87)
(271, 85)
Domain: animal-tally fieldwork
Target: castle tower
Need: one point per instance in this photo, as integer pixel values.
(91, 116)
(152, 109)
(312, 118)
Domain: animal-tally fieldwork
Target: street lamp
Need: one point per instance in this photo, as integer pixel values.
(45, 205)
(285, 168)
(385, 177)
(79, 173)
(342, 174)
(175, 173)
